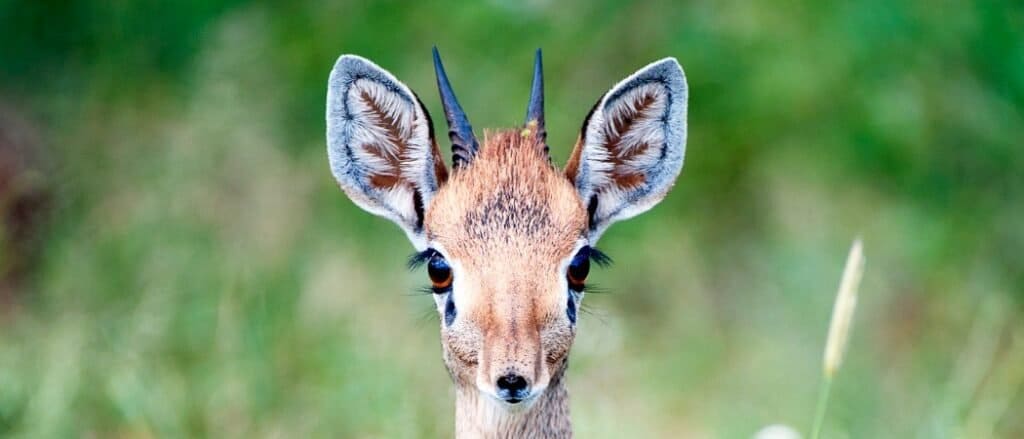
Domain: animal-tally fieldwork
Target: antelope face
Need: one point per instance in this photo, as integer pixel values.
(507, 239)
(508, 256)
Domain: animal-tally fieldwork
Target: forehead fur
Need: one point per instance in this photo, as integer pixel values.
(510, 202)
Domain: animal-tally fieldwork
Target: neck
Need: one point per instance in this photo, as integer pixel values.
(480, 416)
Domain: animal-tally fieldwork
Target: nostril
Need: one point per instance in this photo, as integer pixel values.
(512, 383)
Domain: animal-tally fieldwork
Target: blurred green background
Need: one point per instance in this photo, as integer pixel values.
(178, 262)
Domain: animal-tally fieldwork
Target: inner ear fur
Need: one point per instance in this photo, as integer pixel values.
(380, 144)
(631, 146)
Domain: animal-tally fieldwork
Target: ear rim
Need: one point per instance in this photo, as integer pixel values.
(346, 170)
(668, 72)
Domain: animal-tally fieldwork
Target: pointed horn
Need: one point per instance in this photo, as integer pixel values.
(535, 109)
(464, 144)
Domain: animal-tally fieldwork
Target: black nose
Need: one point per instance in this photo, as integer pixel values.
(512, 388)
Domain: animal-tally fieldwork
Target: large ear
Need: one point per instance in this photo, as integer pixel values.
(380, 143)
(631, 146)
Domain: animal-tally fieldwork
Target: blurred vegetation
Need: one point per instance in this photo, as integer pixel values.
(194, 270)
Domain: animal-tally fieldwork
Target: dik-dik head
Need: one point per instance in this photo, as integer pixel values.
(507, 239)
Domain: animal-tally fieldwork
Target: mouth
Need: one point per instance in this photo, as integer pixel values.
(518, 401)
(513, 399)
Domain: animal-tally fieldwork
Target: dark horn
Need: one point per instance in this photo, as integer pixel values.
(464, 144)
(535, 109)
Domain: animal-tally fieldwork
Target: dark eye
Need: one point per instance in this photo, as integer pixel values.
(578, 270)
(440, 273)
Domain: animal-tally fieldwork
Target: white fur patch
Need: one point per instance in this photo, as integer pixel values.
(379, 144)
(634, 144)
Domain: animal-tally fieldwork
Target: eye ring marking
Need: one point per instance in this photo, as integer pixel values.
(449, 310)
(570, 307)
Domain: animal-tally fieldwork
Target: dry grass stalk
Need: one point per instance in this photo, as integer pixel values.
(839, 329)
(842, 311)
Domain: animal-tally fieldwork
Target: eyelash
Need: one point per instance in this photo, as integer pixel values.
(438, 270)
(416, 260)
(579, 267)
(600, 258)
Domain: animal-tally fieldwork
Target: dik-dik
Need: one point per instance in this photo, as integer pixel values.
(506, 237)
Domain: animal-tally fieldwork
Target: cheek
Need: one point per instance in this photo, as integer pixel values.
(462, 344)
(556, 340)
(558, 329)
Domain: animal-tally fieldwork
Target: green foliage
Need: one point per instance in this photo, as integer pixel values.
(201, 274)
